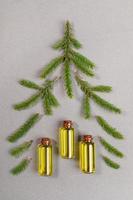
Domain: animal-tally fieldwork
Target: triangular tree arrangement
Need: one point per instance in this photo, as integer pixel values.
(68, 59)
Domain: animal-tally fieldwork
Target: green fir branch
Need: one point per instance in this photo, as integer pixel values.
(49, 101)
(20, 149)
(68, 33)
(84, 85)
(105, 104)
(28, 103)
(24, 128)
(43, 94)
(75, 43)
(47, 106)
(68, 37)
(108, 128)
(110, 163)
(49, 68)
(82, 68)
(58, 45)
(86, 107)
(22, 166)
(110, 148)
(102, 88)
(53, 101)
(29, 84)
(68, 79)
(82, 60)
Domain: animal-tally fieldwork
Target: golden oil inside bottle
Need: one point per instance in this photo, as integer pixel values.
(87, 154)
(45, 160)
(67, 140)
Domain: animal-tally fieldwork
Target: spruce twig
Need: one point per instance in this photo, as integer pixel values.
(29, 84)
(108, 128)
(105, 104)
(44, 93)
(69, 56)
(24, 128)
(68, 79)
(76, 44)
(52, 99)
(22, 166)
(87, 89)
(58, 45)
(33, 100)
(47, 106)
(86, 107)
(110, 162)
(20, 149)
(110, 148)
(84, 86)
(49, 68)
(102, 88)
(82, 60)
(82, 68)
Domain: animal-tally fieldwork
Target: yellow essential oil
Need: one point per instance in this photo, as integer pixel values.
(87, 154)
(67, 140)
(45, 157)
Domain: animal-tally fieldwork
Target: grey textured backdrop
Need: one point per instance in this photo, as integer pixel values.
(27, 30)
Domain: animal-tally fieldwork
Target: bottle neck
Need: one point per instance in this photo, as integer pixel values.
(67, 124)
(87, 138)
(45, 141)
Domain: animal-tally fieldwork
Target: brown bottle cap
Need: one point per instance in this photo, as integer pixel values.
(87, 138)
(45, 141)
(67, 124)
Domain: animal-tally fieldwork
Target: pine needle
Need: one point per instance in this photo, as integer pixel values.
(104, 104)
(86, 107)
(20, 132)
(82, 60)
(108, 128)
(110, 162)
(29, 84)
(102, 88)
(20, 149)
(33, 100)
(68, 79)
(22, 166)
(110, 148)
(51, 66)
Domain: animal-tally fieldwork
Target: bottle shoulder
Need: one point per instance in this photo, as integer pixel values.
(44, 146)
(86, 143)
(65, 129)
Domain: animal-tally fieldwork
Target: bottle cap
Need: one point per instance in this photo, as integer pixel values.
(87, 138)
(45, 141)
(67, 124)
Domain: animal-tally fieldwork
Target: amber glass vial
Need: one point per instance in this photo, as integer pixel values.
(67, 140)
(87, 154)
(45, 157)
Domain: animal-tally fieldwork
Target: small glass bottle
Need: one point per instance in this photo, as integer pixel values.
(45, 157)
(67, 140)
(87, 154)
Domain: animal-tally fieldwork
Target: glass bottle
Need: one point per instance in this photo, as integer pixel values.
(87, 154)
(45, 157)
(67, 140)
